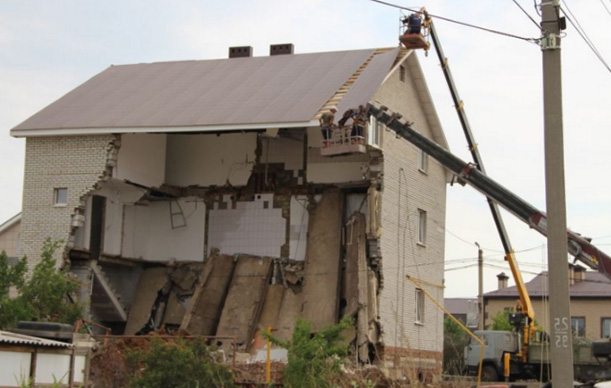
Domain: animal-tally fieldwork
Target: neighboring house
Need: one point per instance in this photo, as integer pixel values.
(463, 309)
(196, 194)
(590, 294)
(9, 237)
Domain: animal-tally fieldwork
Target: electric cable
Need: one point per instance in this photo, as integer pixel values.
(509, 35)
(526, 13)
(606, 8)
(570, 16)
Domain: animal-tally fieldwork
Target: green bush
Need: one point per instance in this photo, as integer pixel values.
(454, 341)
(314, 360)
(44, 296)
(177, 365)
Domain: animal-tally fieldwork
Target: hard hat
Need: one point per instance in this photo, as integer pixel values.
(333, 107)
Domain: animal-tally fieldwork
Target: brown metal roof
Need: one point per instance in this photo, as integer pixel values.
(595, 285)
(265, 90)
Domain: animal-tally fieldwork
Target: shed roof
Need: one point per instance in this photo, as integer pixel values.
(595, 285)
(280, 91)
(7, 337)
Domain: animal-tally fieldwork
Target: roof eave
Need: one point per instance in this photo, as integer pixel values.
(160, 129)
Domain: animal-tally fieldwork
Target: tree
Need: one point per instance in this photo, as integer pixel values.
(44, 296)
(314, 360)
(454, 341)
(500, 321)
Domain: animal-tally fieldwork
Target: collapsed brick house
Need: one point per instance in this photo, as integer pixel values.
(197, 195)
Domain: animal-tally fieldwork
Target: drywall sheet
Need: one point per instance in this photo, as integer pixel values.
(322, 267)
(299, 218)
(151, 281)
(245, 300)
(141, 159)
(210, 160)
(204, 313)
(290, 310)
(151, 232)
(253, 227)
(285, 150)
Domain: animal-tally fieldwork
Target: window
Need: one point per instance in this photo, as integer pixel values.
(419, 306)
(605, 327)
(421, 226)
(402, 73)
(60, 196)
(578, 326)
(423, 161)
(374, 133)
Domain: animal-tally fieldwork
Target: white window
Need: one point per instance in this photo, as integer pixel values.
(60, 196)
(605, 326)
(578, 325)
(421, 226)
(374, 133)
(419, 306)
(423, 161)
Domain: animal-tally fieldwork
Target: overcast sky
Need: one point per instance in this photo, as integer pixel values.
(47, 48)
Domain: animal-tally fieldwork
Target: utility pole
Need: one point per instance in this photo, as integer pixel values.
(480, 292)
(557, 249)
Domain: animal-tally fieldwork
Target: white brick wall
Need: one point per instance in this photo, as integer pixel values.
(74, 162)
(405, 190)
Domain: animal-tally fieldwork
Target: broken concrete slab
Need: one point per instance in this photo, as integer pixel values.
(269, 314)
(203, 314)
(290, 311)
(151, 281)
(358, 247)
(322, 267)
(244, 300)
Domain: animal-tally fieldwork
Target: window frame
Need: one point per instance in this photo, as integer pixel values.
(422, 226)
(420, 307)
(602, 327)
(576, 332)
(374, 133)
(58, 199)
(423, 162)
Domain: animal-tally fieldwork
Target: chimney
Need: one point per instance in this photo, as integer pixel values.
(571, 274)
(240, 52)
(281, 49)
(502, 280)
(580, 274)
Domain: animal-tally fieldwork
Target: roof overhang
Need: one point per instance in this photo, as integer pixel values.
(179, 129)
(10, 222)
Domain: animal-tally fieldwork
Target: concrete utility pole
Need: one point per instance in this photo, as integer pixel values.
(557, 249)
(480, 293)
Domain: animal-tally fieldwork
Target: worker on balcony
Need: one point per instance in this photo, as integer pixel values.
(327, 124)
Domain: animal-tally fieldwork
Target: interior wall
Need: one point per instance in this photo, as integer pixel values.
(299, 218)
(142, 159)
(207, 160)
(117, 195)
(286, 149)
(253, 227)
(148, 232)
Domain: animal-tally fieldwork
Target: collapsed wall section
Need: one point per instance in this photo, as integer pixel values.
(59, 171)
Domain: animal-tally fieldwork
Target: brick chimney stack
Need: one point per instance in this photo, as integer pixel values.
(502, 280)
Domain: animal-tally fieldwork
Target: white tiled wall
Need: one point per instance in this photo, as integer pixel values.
(254, 228)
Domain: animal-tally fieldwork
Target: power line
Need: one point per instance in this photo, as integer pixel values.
(526, 13)
(605, 5)
(569, 15)
(531, 40)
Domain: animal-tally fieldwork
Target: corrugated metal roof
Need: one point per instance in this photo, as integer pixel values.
(276, 89)
(7, 337)
(595, 285)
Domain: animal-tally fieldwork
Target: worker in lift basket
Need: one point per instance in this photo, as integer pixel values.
(414, 23)
(327, 125)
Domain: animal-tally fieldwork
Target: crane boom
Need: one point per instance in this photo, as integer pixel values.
(581, 248)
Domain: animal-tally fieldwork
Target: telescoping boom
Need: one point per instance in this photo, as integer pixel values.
(581, 248)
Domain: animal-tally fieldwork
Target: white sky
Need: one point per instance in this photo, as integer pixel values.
(47, 48)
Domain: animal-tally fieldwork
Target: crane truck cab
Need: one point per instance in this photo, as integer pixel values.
(497, 343)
